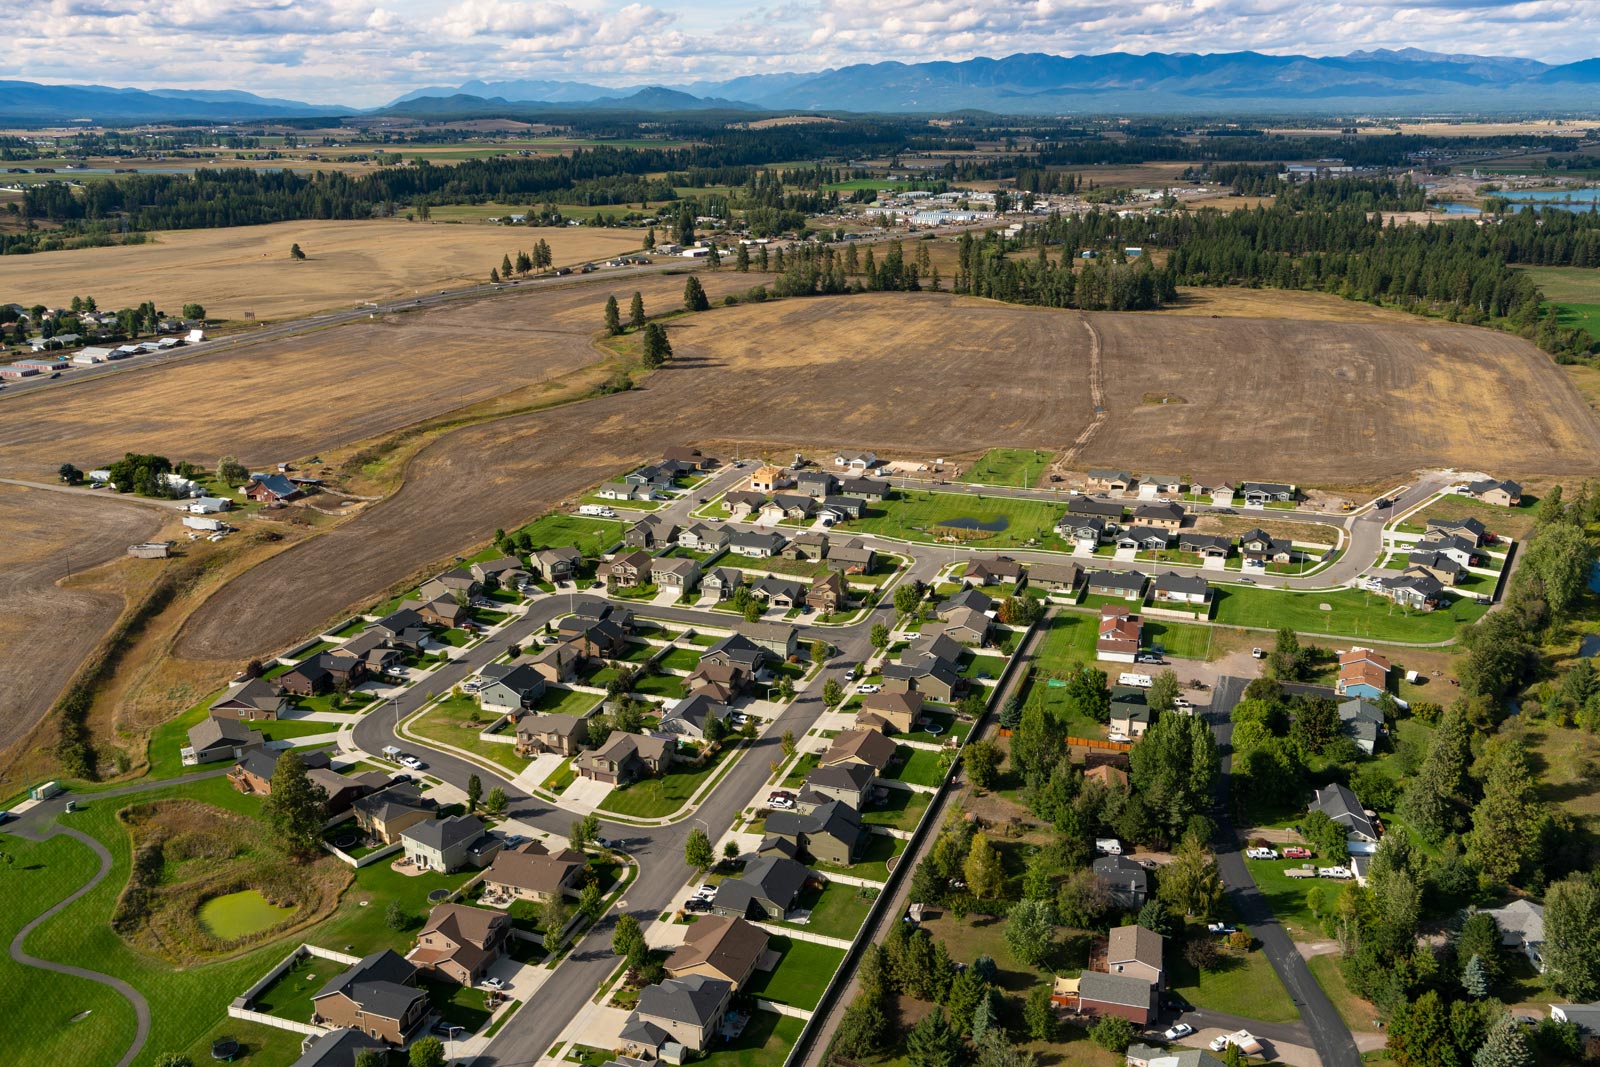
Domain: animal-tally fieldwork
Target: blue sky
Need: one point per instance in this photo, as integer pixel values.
(362, 53)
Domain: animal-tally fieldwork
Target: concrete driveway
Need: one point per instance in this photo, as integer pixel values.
(584, 795)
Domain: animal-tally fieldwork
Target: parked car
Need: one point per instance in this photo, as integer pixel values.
(1148, 657)
(869, 688)
(1221, 928)
(1259, 653)
(493, 983)
(1247, 581)
(1119, 738)
(696, 904)
(1179, 1030)
(413, 762)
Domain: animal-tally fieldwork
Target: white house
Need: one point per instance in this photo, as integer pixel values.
(1522, 929)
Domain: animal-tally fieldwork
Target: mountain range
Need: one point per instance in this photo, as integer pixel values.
(1382, 81)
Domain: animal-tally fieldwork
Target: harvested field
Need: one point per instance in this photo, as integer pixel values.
(44, 534)
(949, 374)
(248, 269)
(1335, 403)
(314, 393)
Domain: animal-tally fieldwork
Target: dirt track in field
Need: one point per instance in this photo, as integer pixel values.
(288, 400)
(46, 630)
(1280, 399)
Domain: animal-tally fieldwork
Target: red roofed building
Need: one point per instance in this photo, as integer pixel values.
(1120, 635)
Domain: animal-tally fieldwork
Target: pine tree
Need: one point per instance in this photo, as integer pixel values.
(474, 792)
(694, 295)
(1505, 824)
(1475, 979)
(1040, 1014)
(505, 266)
(613, 317)
(1432, 801)
(657, 349)
(741, 258)
(1505, 1046)
(297, 807)
(295, 253)
(636, 311)
(933, 1043)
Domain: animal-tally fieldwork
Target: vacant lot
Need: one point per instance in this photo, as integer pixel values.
(931, 373)
(247, 269)
(288, 400)
(47, 536)
(1576, 291)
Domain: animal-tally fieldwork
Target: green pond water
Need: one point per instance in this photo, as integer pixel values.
(240, 914)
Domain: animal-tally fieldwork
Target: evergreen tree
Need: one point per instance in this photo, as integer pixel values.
(1434, 799)
(1505, 824)
(697, 851)
(1505, 1045)
(297, 807)
(1419, 1034)
(474, 792)
(505, 266)
(1475, 979)
(694, 295)
(933, 1042)
(1191, 883)
(627, 940)
(967, 991)
(657, 349)
(295, 253)
(741, 258)
(613, 317)
(636, 312)
(1174, 769)
(1040, 1014)
(1572, 929)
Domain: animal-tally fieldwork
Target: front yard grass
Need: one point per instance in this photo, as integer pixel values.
(560, 778)
(838, 910)
(1287, 896)
(902, 811)
(656, 798)
(1353, 613)
(802, 767)
(457, 1005)
(803, 972)
(1243, 985)
(456, 720)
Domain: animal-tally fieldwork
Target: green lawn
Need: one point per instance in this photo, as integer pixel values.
(992, 666)
(1019, 467)
(638, 652)
(802, 974)
(565, 702)
(766, 1042)
(802, 767)
(590, 536)
(1055, 702)
(290, 996)
(1352, 612)
(874, 860)
(952, 726)
(187, 1004)
(1287, 896)
(680, 659)
(451, 721)
(1068, 643)
(837, 911)
(917, 766)
(1575, 291)
(456, 1004)
(1357, 1014)
(656, 798)
(913, 516)
(1178, 639)
(1245, 985)
(635, 505)
(560, 778)
(352, 628)
(902, 811)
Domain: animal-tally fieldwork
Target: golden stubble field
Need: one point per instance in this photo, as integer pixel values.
(1304, 401)
(292, 399)
(247, 269)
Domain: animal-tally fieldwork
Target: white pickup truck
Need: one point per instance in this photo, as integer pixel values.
(1244, 1039)
(1334, 872)
(1261, 853)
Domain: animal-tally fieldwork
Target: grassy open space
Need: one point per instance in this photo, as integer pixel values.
(902, 811)
(917, 766)
(1244, 985)
(589, 536)
(1068, 643)
(924, 516)
(456, 721)
(1287, 896)
(1357, 1014)
(1352, 612)
(1575, 291)
(656, 798)
(1008, 466)
(1515, 523)
(837, 910)
(1180, 640)
(802, 974)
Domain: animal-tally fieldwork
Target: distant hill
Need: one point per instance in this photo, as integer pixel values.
(1379, 81)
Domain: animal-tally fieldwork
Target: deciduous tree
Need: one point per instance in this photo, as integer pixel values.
(1031, 931)
(1572, 929)
(697, 851)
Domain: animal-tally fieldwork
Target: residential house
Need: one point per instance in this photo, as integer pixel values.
(450, 585)
(811, 545)
(1436, 565)
(742, 505)
(684, 1012)
(1123, 995)
(928, 676)
(449, 844)
(967, 598)
(675, 573)
(598, 638)
(1141, 1055)
(559, 663)
(692, 717)
(1268, 492)
(1131, 713)
(735, 651)
(828, 593)
(1340, 805)
(461, 942)
(756, 544)
(445, 612)
(852, 556)
(1259, 549)
(1459, 550)
(721, 947)
(849, 783)
(252, 775)
(272, 489)
(1120, 635)
(890, 713)
(626, 491)
(792, 507)
(997, 571)
(830, 834)
(510, 688)
(254, 700)
(1414, 589)
(532, 872)
(1218, 488)
(1362, 673)
(1500, 494)
(868, 489)
(1521, 925)
(1362, 722)
(1107, 775)
(1105, 480)
(657, 476)
(504, 571)
(718, 681)
(564, 735)
(215, 738)
(1181, 590)
(1154, 485)
(388, 813)
(1144, 538)
(815, 483)
(1055, 577)
(1127, 883)
(1469, 530)
(377, 996)
(1207, 546)
(855, 462)
(769, 887)
(402, 629)
(1129, 585)
(684, 455)
(557, 564)
(721, 582)
(700, 537)
(626, 758)
(777, 638)
(1136, 951)
(842, 508)
(1086, 531)
(343, 790)
(1087, 507)
(629, 570)
(768, 479)
(1586, 1017)
(866, 747)
(650, 532)
(781, 593)
(336, 1048)
(1160, 516)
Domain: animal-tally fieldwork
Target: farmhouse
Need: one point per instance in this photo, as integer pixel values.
(377, 996)
(461, 942)
(272, 488)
